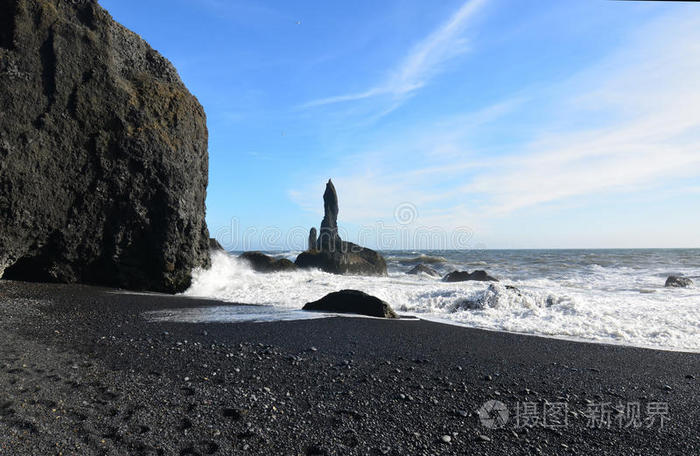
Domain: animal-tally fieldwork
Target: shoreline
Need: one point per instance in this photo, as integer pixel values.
(554, 296)
(566, 338)
(404, 316)
(109, 382)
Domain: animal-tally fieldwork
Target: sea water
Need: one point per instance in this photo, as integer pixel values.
(612, 296)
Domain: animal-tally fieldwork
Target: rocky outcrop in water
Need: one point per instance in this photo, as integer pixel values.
(425, 259)
(464, 276)
(678, 282)
(328, 236)
(264, 263)
(423, 269)
(313, 239)
(331, 253)
(103, 153)
(491, 296)
(352, 301)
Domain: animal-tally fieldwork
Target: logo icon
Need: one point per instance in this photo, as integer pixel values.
(405, 213)
(493, 414)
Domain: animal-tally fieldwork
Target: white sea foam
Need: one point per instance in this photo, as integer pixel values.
(603, 301)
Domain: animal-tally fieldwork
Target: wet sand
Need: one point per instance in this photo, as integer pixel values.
(83, 372)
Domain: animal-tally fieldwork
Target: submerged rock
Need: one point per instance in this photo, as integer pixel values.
(423, 269)
(103, 153)
(514, 289)
(334, 255)
(463, 276)
(264, 263)
(490, 297)
(352, 301)
(678, 282)
(427, 259)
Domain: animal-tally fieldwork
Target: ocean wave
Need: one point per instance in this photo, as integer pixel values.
(426, 259)
(499, 296)
(601, 304)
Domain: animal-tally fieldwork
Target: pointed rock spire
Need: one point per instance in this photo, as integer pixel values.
(328, 237)
(332, 254)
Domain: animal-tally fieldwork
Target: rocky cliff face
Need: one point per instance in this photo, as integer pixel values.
(103, 153)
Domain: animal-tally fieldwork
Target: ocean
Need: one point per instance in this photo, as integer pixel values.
(610, 296)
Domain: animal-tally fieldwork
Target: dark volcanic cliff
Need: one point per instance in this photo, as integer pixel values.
(103, 153)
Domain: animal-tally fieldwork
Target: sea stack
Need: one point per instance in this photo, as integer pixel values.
(313, 238)
(103, 153)
(328, 238)
(330, 253)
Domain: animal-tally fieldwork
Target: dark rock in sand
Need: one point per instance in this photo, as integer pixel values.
(313, 239)
(678, 282)
(215, 246)
(423, 269)
(463, 276)
(103, 153)
(264, 263)
(352, 301)
(334, 255)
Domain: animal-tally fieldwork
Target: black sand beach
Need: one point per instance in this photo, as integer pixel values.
(82, 373)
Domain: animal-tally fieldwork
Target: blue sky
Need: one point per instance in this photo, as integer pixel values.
(452, 124)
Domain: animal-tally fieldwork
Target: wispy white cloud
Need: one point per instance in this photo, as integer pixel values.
(650, 93)
(349, 97)
(646, 95)
(405, 167)
(421, 63)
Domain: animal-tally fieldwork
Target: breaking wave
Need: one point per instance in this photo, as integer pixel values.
(613, 297)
